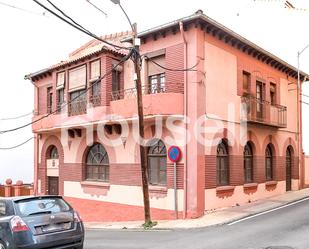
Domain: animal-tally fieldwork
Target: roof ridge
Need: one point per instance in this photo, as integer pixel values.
(95, 42)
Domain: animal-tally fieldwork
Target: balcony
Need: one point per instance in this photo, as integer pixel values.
(131, 92)
(78, 107)
(158, 99)
(95, 99)
(262, 112)
(163, 100)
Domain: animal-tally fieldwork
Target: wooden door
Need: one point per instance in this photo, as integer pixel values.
(53, 185)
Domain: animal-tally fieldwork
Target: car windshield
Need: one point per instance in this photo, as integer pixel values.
(41, 206)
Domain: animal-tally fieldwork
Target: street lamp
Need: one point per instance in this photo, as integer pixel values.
(299, 114)
(298, 71)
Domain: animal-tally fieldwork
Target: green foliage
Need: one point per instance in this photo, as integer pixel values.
(150, 224)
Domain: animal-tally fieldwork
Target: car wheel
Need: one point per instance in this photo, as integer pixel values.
(2, 245)
(80, 247)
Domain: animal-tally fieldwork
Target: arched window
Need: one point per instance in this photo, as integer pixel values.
(157, 163)
(97, 164)
(289, 156)
(248, 163)
(222, 164)
(53, 154)
(269, 163)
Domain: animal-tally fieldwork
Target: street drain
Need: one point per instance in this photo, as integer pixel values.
(279, 247)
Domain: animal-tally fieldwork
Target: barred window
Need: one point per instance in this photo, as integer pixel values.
(248, 163)
(222, 164)
(97, 164)
(157, 163)
(269, 163)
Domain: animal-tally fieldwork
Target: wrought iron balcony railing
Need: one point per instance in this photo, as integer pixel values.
(263, 112)
(95, 99)
(78, 107)
(147, 89)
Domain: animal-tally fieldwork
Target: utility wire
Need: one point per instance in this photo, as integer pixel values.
(16, 146)
(173, 69)
(306, 103)
(18, 117)
(22, 9)
(77, 25)
(125, 58)
(88, 1)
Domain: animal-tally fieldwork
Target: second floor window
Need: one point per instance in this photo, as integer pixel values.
(272, 93)
(115, 80)
(77, 78)
(95, 70)
(156, 74)
(96, 93)
(49, 99)
(246, 81)
(157, 83)
(78, 103)
(60, 99)
(60, 90)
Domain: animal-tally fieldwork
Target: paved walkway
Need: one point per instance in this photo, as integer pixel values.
(217, 217)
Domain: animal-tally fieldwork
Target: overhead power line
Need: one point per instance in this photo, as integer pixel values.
(88, 1)
(17, 117)
(16, 146)
(76, 25)
(22, 9)
(125, 58)
(174, 69)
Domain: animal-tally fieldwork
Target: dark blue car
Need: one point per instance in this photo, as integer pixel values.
(39, 222)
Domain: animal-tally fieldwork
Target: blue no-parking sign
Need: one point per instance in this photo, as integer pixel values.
(174, 154)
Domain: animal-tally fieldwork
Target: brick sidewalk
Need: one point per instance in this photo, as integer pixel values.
(217, 217)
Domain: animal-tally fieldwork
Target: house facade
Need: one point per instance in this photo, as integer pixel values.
(230, 106)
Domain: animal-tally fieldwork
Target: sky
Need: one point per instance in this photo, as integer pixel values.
(32, 40)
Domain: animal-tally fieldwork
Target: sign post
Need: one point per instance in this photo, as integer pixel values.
(174, 154)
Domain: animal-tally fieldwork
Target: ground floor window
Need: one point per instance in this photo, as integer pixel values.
(157, 163)
(97, 164)
(269, 163)
(248, 163)
(222, 164)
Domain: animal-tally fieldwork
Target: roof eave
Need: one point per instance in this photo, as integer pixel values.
(223, 28)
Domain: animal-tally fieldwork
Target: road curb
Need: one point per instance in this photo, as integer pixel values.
(227, 222)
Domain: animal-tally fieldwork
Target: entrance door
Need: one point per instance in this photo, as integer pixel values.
(53, 185)
(288, 170)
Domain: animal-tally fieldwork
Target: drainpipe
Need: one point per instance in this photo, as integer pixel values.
(36, 146)
(185, 105)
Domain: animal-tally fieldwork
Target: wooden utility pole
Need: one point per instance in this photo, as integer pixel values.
(143, 152)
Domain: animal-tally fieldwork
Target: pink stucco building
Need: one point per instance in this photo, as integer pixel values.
(234, 115)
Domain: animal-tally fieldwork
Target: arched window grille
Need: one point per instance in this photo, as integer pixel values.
(248, 163)
(97, 163)
(222, 164)
(269, 163)
(157, 163)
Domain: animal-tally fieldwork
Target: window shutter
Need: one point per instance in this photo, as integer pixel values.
(60, 80)
(154, 69)
(77, 78)
(95, 68)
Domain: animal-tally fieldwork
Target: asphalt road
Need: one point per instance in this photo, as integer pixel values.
(281, 229)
